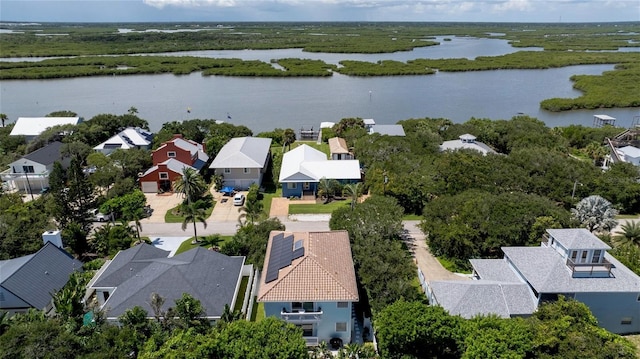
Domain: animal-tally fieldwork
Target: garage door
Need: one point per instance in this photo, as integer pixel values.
(244, 184)
(150, 187)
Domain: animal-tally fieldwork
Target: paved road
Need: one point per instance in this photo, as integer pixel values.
(224, 228)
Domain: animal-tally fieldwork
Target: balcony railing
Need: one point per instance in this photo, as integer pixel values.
(311, 341)
(578, 269)
(302, 316)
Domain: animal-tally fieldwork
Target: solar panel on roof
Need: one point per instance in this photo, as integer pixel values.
(281, 254)
(297, 253)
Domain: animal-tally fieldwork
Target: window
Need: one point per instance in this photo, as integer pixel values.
(164, 175)
(171, 154)
(596, 256)
(341, 327)
(246, 170)
(306, 186)
(574, 256)
(105, 296)
(302, 307)
(27, 169)
(227, 170)
(307, 329)
(292, 185)
(583, 258)
(626, 321)
(343, 305)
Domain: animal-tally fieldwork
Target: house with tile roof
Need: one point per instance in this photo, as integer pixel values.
(466, 142)
(30, 173)
(169, 162)
(304, 166)
(309, 280)
(130, 137)
(339, 150)
(32, 127)
(243, 161)
(30, 281)
(133, 275)
(570, 262)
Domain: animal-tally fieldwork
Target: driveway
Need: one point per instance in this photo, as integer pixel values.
(224, 211)
(160, 204)
(170, 244)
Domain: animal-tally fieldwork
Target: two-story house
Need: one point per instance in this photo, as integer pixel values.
(309, 280)
(243, 161)
(30, 174)
(570, 262)
(169, 162)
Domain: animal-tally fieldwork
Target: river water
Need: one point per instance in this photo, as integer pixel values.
(266, 103)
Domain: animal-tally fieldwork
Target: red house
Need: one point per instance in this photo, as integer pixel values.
(169, 162)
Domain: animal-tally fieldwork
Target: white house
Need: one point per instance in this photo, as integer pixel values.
(30, 174)
(570, 262)
(130, 137)
(243, 161)
(31, 127)
(630, 154)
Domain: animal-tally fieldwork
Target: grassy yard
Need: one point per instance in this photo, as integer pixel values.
(171, 217)
(186, 245)
(240, 299)
(316, 208)
(257, 313)
(411, 217)
(267, 197)
(635, 339)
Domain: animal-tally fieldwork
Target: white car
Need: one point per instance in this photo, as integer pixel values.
(238, 199)
(96, 216)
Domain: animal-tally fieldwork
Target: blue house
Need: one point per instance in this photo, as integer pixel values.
(309, 280)
(304, 166)
(570, 262)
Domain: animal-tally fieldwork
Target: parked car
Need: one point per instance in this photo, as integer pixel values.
(96, 216)
(238, 199)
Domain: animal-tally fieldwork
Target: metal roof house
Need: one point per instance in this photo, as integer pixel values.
(570, 262)
(466, 142)
(309, 280)
(134, 274)
(32, 127)
(243, 161)
(30, 281)
(304, 166)
(130, 137)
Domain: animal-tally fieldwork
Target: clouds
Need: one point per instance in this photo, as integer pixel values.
(321, 10)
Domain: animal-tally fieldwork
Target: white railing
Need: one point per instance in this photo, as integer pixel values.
(301, 316)
(311, 341)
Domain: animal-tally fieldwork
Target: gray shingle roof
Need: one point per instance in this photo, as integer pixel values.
(577, 238)
(388, 130)
(138, 272)
(494, 269)
(34, 278)
(243, 152)
(546, 270)
(47, 154)
(476, 297)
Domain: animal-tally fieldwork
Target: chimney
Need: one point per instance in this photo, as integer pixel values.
(54, 237)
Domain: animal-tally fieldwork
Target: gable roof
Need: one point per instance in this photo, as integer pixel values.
(33, 126)
(471, 298)
(130, 137)
(387, 130)
(324, 273)
(194, 148)
(136, 273)
(338, 145)
(243, 152)
(172, 165)
(47, 154)
(35, 277)
(306, 164)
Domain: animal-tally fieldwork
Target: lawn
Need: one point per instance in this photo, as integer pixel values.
(267, 197)
(240, 299)
(171, 217)
(257, 313)
(186, 245)
(316, 208)
(412, 217)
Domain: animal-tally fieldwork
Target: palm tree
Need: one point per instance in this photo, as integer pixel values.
(190, 184)
(288, 137)
(595, 213)
(321, 351)
(252, 211)
(134, 215)
(327, 188)
(352, 190)
(212, 242)
(3, 117)
(630, 233)
(193, 214)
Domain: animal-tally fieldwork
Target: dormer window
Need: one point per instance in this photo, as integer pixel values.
(597, 255)
(583, 258)
(574, 256)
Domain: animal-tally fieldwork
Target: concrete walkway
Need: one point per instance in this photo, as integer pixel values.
(160, 204)
(279, 207)
(428, 264)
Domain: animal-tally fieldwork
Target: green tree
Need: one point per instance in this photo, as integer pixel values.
(495, 337)
(192, 214)
(191, 185)
(595, 213)
(136, 319)
(353, 191)
(212, 242)
(288, 137)
(251, 241)
(251, 212)
(3, 118)
(127, 206)
(630, 233)
(191, 312)
(68, 300)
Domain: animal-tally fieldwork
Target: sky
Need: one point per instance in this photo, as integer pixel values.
(553, 11)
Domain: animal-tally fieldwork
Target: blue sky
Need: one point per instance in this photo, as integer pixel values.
(320, 10)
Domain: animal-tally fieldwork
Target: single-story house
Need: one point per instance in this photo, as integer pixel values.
(387, 130)
(630, 154)
(466, 142)
(570, 262)
(304, 166)
(309, 280)
(243, 161)
(133, 275)
(29, 282)
(130, 137)
(32, 127)
(31, 173)
(160, 177)
(339, 150)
